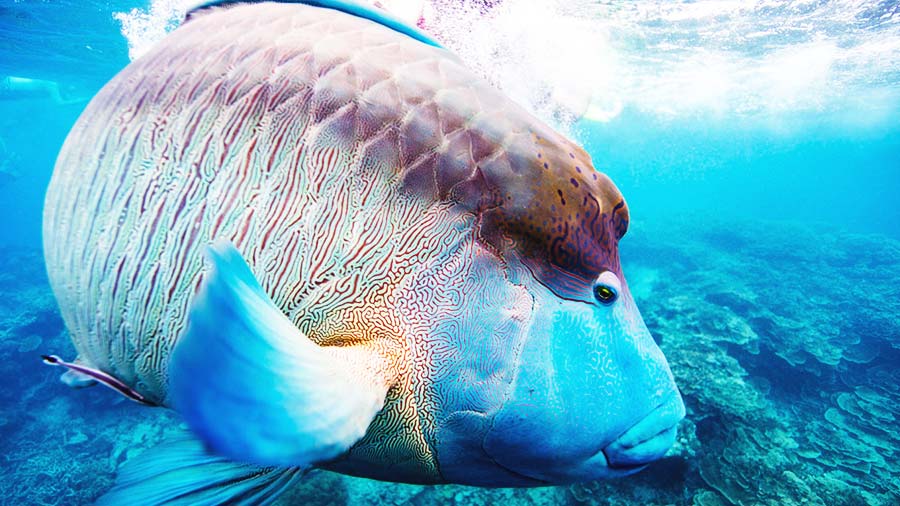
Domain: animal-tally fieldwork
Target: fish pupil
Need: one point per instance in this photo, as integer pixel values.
(604, 294)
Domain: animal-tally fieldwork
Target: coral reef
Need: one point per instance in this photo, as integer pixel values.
(784, 339)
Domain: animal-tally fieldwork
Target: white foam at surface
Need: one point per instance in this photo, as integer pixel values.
(546, 55)
(564, 59)
(144, 27)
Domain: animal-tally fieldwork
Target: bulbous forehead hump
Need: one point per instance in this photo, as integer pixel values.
(543, 198)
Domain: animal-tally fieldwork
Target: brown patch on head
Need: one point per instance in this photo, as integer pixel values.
(541, 199)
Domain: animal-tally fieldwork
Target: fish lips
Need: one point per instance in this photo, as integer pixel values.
(645, 441)
(648, 439)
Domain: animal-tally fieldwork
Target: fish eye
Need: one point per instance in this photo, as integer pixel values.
(605, 294)
(606, 289)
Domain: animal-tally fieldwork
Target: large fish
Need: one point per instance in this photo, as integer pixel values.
(322, 240)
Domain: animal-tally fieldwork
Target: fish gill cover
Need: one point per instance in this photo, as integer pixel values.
(757, 145)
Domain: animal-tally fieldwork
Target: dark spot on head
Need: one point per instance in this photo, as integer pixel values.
(539, 155)
(572, 156)
(546, 166)
(578, 169)
(595, 177)
(574, 183)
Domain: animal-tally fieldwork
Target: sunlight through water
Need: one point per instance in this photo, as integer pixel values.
(569, 59)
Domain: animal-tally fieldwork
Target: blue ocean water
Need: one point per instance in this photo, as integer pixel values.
(758, 146)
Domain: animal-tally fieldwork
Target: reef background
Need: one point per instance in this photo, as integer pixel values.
(787, 362)
(764, 250)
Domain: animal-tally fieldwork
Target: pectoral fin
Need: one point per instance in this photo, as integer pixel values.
(255, 389)
(181, 472)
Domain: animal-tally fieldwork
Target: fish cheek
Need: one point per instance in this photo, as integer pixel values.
(585, 376)
(479, 335)
(553, 419)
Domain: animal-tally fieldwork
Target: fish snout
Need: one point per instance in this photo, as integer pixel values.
(648, 439)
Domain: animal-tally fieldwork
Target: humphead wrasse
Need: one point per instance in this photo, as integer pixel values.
(324, 242)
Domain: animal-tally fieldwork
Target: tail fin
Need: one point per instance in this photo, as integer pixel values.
(181, 472)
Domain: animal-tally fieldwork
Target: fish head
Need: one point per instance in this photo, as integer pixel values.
(592, 395)
(588, 393)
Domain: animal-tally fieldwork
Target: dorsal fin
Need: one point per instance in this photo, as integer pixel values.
(353, 7)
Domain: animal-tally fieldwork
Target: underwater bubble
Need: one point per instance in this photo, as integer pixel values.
(143, 28)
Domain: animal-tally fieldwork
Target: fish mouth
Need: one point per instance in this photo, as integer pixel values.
(648, 439)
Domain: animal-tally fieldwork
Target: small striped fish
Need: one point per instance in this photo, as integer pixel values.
(322, 240)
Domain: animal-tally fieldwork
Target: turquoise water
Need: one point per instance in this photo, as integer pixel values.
(758, 147)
